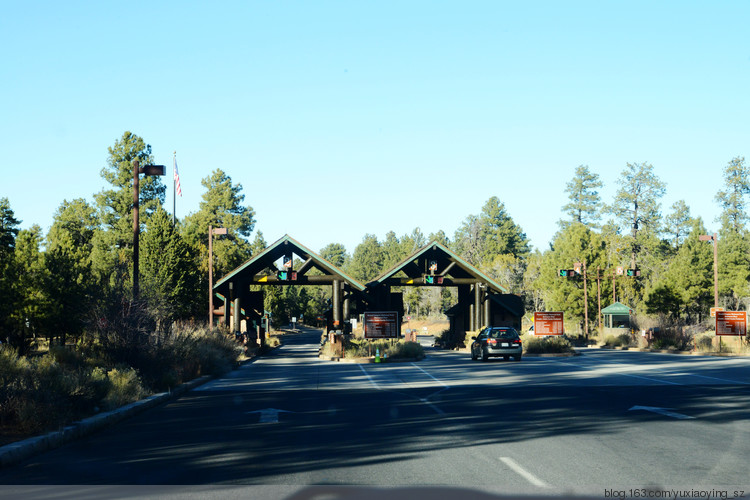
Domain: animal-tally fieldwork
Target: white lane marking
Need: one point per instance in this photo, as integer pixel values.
(717, 378)
(662, 411)
(369, 377)
(429, 375)
(604, 365)
(524, 473)
(269, 415)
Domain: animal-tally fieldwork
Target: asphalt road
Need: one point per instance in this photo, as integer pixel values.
(606, 421)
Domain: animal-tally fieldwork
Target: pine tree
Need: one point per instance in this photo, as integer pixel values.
(584, 204)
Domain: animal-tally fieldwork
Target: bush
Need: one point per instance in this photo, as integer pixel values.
(704, 342)
(362, 348)
(546, 345)
(124, 387)
(622, 340)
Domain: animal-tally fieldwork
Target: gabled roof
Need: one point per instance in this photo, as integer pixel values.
(255, 270)
(617, 308)
(450, 266)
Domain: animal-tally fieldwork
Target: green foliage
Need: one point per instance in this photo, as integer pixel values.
(366, 263)
(170, 279)
(222, 206)
(679, 222)
(732, 200)
(491, 233)
(585, 202)
(663, 299)
(335, 253)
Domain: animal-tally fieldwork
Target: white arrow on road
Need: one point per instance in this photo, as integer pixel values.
(269, 415)
(661, 411)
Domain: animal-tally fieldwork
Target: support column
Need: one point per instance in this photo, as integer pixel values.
(227, 302)
(487, 310)
(472, 323)
(477, 306)
(236, 316)
(336, 303)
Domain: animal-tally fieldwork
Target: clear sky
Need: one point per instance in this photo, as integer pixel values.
(346, 118)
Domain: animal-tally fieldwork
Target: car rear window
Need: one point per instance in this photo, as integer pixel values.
(505, 333)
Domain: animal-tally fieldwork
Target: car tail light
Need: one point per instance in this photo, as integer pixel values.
(492, 341)
(517, 341)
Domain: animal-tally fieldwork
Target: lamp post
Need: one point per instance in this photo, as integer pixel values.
(708, 237)
(211, 232)
(137, 170)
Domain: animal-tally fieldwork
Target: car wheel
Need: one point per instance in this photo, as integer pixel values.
(506, 358)
(517, 358)
(473, 356)
(485, 354)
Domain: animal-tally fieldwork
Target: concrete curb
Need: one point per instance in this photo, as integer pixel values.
(674, 351)
(13, 453)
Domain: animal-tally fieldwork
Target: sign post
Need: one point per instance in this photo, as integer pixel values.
(548, 323)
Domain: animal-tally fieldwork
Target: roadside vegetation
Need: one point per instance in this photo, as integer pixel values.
(362, 348)
(48, 390)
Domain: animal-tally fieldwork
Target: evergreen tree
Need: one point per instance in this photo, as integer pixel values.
(31, 315)
(679, 222)
(221, 206)
(689, 276)
(732, 200)
(114, 246)
(584, 204)
(335, 253)
(8, 274)
(636, 204)
(169, 276)
(366, 263)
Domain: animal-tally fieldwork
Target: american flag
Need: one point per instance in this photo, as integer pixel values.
(177, 187)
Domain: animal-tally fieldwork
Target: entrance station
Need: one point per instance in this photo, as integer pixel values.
(481, 300)
(286, 262)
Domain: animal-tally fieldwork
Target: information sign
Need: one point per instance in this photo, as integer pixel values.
(731, 323)
(548, 323)
(714, 309)
(381, 325)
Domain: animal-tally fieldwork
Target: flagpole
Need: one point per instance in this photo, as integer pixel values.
(174, 188)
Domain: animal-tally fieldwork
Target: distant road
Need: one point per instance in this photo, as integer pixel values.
(606, 420)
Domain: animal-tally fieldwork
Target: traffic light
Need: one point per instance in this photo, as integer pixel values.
(433, 280)
(286, 275)
(566, 273)
(633, 272)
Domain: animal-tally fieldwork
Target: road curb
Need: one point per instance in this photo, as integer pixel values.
(13, 453)
(674, 351)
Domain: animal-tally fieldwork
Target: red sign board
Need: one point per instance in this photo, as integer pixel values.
(731, 323)
(381, 325)
(548, 323)
(714, 309)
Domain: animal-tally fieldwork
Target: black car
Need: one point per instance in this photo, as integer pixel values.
(497, 341)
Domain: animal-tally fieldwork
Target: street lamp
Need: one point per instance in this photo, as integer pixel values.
(137, 170)
(211, 232)
(706, 237)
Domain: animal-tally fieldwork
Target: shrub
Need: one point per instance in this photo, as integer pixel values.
(124, 387)
(704, 342)
(622, 340)
(546, 345)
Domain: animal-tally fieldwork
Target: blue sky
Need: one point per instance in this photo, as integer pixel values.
(346, 118)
